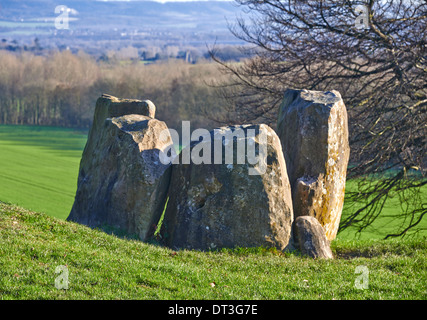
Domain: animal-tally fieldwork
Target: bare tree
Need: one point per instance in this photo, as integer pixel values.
(374, 52)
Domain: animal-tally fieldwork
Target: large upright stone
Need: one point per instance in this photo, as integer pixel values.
(122, 184)
(223, 203)
(313, 129)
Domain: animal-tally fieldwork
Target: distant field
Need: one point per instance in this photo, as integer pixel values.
(39, 168)
(21, 28)
(22, 24)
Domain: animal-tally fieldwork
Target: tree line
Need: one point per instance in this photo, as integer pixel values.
(61, 89)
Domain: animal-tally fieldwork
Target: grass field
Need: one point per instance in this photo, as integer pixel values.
(102, 266)
(39, 169)
(389, 221)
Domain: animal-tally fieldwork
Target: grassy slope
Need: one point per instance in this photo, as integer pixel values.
(102, 266)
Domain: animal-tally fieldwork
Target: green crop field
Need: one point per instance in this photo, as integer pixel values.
(39, 169)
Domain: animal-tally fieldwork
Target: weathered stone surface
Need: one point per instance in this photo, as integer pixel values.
(311, 238)
(308, 195)
(109, 106)
(223, 205)
(313, 129)
(121, 182)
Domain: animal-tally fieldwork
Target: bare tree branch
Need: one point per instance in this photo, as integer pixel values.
(381, 72)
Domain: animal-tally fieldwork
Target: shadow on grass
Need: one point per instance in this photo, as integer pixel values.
(346, 249)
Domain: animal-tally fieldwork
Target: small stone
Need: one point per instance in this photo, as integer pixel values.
(311, 238)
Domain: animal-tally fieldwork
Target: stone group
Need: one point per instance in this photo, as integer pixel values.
(295, 204)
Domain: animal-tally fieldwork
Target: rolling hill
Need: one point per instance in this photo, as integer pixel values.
(117, 18)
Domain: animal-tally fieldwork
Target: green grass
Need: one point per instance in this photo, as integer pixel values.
(39, 167)
(388, 222)
(102, 266)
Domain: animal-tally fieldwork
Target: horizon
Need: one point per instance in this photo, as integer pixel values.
(97, 27)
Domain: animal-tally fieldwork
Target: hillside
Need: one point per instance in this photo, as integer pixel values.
(102, 266)
(123, 14)
(107, 25)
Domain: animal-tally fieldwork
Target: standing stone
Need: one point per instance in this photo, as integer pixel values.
(121, 182)
(224, 204)
(313, 129)
(311, 238)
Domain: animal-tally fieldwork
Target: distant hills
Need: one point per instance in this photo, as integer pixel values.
(36, 17)
(189, 22)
